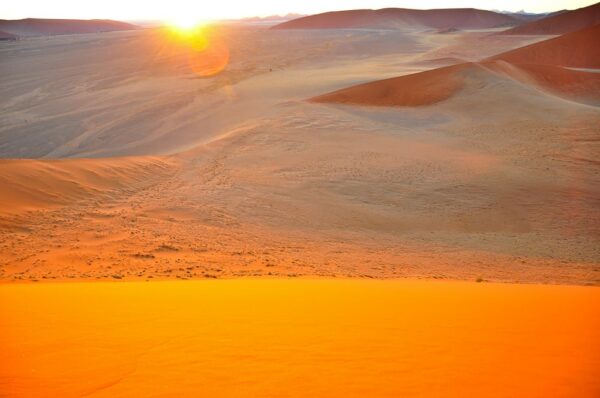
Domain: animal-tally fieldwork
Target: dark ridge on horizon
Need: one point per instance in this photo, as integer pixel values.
(30, 27)
(398, 18)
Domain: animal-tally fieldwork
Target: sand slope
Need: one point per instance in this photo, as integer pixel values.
(278, 338)
(542, 64)
(7, 36)
(50, 27)
(498, 182)
(398, 18)
(42, 184)
(577, 85)
(578, 49)
(423, 88)
(431, 87)
(561, 23)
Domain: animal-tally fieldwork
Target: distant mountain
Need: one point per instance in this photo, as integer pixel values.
(399, 18)
(560, 22)
(272, 18)
(50, 27)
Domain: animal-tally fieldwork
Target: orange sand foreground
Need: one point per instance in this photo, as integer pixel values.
(299, 338)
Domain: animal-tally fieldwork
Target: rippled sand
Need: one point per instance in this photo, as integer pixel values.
(299, 338)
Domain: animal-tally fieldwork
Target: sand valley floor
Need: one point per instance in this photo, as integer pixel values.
(125, 162)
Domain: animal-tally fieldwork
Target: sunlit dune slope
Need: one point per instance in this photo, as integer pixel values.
(34, 184)
(423, 88)
(541, 64)
(577, 85)
(566, 22)
(49, 27)
(397, 18)
(579, 49)
(299, 338)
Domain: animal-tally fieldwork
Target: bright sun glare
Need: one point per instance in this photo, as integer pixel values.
(185, 22)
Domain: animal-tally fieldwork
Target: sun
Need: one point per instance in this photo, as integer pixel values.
(185, 22)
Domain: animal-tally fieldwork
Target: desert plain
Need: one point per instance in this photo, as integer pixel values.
(458, 167)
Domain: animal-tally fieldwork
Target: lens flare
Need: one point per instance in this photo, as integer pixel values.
(184, 22)
(206, 51)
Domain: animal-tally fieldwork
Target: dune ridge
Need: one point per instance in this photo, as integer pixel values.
(418, 89)
(578, 49)
(398, 18)
(542, 64)
(560, 23)
(51, 27)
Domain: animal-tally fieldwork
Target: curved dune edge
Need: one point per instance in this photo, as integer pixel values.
(572, 84)
(561, 23)
(578, 49)
(419, 89)
(27, 184)
(541, 64)
(437, 85)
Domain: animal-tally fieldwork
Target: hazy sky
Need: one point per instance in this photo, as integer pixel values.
(221, 9)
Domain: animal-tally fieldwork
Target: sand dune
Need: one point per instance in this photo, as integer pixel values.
(279, 338)
(560, 23)
(7, 36)
(50, 27)
(578, 49)
(42, 184)
(423, 88)
(497, 182)
(430, 87)
(400, 18)
(540, 63)
(577, 85)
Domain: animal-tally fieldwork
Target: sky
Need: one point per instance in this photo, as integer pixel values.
(136, 10)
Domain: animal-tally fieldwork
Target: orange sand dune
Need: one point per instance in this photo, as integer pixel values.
(423, 88)
(561, 23)
(578, 49)
(394, 18)
(540, 64)
(563, 82)
(50, 27)
(433, 86)
(299, 338)
(33, 184)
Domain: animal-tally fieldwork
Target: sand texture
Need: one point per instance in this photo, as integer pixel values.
(298, 338)
(128, 156)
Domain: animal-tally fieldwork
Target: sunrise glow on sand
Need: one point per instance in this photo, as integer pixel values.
(300, 199)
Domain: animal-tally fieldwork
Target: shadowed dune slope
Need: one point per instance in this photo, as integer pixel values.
(560, 23)
(397, 18)
(51, 27)
(34, 184)
(579, 49)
